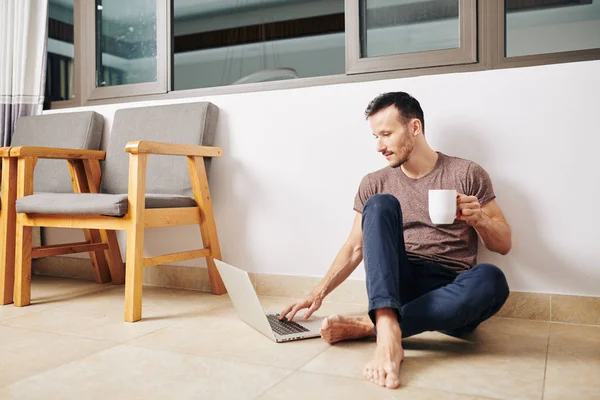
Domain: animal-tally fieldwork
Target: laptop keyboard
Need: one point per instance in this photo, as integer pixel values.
(284, 327)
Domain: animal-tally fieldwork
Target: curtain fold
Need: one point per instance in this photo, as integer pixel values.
(23, 31)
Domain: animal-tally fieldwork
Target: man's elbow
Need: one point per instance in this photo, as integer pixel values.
(505, 248)
(355, 248)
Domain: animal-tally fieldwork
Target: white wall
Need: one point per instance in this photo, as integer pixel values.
(283, 192)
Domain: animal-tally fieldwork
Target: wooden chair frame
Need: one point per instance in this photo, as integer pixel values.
(85, 170)
(7, 225)
(100, 261)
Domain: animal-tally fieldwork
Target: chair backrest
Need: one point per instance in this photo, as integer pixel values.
(77, 130)
(189, 123)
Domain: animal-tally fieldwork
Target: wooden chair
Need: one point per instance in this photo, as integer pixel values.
(79, 130)
(151, 189)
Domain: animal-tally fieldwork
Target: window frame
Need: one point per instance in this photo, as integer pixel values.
(465, 54)
(88, 44)
(489, 48)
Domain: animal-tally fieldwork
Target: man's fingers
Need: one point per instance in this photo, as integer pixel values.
(286, 312)
(315, 306)
(294, 311)
(466, 206)
(471, 212)
(466, 199)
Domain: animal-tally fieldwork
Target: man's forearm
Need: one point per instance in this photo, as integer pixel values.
(495, 235)
(345, 262)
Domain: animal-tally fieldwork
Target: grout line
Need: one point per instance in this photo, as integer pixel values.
(273, 385)
(60, 365)
(546, 363)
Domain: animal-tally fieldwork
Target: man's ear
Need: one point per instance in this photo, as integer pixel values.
(416, 126)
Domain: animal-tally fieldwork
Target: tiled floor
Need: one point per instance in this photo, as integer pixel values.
(71, 344)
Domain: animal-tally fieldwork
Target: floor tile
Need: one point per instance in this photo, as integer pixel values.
(25, 352)
(99, 315)
(573, 362)
(229, 338)
(129, 372)
(304, 385)
(240, 341)
(502, 350)
(49, 292)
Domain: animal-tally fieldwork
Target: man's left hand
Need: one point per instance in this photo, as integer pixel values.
(469, 209)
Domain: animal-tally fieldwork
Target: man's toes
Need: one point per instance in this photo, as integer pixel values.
(392, 382)
(382, 377)
(376, 377)
(368, 373)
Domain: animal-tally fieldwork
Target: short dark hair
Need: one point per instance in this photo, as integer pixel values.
(407, 106)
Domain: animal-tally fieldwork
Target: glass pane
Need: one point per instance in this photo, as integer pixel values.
(125, 42)
(230, 42)
(408, 26)
(60, 64)
(564, 25)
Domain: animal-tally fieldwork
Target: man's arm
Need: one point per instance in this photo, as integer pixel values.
(346, 261)
(489, 222)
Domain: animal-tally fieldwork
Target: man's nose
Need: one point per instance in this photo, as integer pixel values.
(380, 146)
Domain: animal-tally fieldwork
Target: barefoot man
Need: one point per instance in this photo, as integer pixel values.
(420, 276)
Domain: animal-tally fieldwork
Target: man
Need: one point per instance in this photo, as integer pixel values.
(420, 276)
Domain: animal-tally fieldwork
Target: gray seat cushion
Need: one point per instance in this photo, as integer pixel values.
(115, 205)
(73, 130)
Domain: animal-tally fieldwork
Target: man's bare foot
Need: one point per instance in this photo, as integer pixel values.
(336, 328)
(384, 368)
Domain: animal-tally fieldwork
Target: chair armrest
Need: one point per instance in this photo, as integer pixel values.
(5, 151)
(52, 152)
(172, 149)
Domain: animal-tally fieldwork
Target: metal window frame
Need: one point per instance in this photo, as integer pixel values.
(465, 54)
(498, 48)
(88, 43)
(490, 49)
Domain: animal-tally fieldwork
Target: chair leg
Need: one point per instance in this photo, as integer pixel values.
(99, 261)
(22, 291)
(113, 256)
(134, 273)
(208, 228)
(8, 219)
(7, 258)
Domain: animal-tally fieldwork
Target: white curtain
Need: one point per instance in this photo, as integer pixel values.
(23, 31)
(23, 27)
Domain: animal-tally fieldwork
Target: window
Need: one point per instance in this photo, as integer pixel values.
(232, 42)
(543, 27)
(60, 65)
(102, 50)
(401, 34)
(125, 47)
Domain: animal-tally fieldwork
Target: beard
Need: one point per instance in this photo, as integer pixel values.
(403, 153)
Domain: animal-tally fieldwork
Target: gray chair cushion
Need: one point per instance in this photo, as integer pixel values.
(189, 123)
(115, 205)
(78, 130)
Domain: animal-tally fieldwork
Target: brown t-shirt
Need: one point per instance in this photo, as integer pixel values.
(454, 246)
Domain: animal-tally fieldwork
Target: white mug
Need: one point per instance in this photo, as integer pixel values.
(442, 206)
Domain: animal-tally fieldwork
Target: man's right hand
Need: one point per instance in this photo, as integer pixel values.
(312, 301)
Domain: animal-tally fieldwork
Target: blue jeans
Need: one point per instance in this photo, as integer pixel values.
(426, 296)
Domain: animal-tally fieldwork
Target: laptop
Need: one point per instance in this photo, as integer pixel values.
(248, 307)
